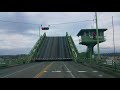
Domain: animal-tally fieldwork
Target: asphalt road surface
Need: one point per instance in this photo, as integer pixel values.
(54, 48)
(53, 69)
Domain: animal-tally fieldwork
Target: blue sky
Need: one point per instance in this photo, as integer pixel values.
(19, 38)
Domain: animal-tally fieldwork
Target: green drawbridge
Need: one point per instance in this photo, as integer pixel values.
(54, 48)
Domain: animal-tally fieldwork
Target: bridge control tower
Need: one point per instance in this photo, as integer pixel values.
(89, 38)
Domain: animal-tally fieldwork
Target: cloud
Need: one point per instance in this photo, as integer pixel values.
(105, 20)
(12, 41)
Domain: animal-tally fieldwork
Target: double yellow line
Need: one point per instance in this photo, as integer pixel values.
(42, 72)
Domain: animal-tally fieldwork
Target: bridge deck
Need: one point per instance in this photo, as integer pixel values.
(54, 48)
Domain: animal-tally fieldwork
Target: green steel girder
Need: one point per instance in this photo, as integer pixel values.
(74, 45)
(73, 49)
(68, 46)
(38, 52)
(37, 43)
(33, 54)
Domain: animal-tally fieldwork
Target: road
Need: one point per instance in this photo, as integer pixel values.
(53, 69)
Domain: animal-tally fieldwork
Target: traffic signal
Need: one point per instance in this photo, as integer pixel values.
(45, 28)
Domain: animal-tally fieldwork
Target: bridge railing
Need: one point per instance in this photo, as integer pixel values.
(34, 52)
(102, 65)
(73, 49)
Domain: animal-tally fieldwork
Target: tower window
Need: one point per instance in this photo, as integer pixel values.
(84, 33)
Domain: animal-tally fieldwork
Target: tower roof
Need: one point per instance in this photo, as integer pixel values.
(84, 30)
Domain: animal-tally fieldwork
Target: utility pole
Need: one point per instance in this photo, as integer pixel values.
(113, 38)
(97, 37)
(39, 30)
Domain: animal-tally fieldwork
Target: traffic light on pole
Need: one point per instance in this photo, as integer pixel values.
(44, 28)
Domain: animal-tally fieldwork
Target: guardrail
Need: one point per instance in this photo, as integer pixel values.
(34, 52)
(102, 65)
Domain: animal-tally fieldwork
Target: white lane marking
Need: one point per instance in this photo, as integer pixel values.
(69, 70)
(45, 71)
(100, 75)
(82, 71)
(18, 71)
(56, 71)
(94, 71)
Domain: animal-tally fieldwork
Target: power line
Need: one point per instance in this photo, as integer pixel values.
(14, 16)
(19, 22)
(71, 22)
(40, 24)
(49, 24)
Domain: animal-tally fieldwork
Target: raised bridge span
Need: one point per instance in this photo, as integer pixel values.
(54, 48)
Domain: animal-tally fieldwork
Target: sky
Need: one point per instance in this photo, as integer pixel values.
(18, 37)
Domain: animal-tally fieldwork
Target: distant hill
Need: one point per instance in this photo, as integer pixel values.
(103, 54)
(11, 56)
(109, 54)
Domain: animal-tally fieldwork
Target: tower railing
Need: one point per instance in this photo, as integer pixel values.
(90, 38)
